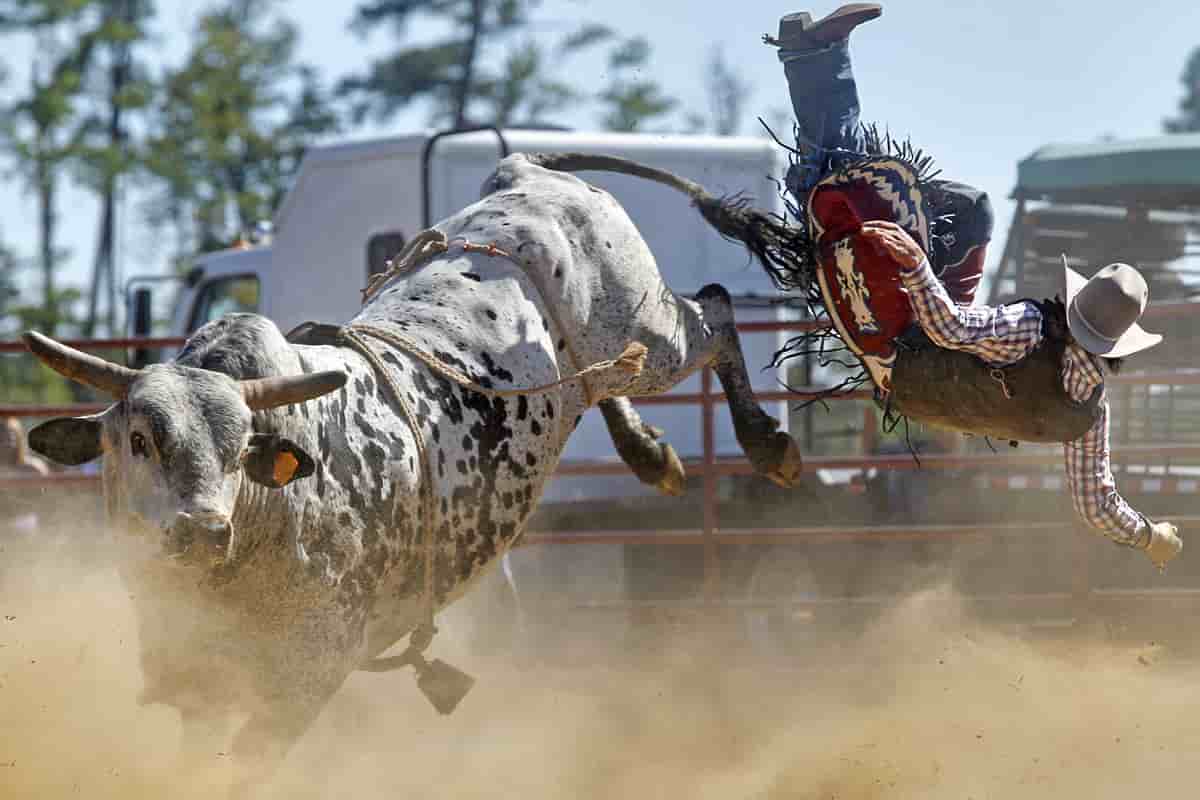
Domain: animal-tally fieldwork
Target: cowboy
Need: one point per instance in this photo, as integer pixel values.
(1094, 330)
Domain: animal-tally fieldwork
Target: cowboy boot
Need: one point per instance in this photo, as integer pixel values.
(798, 31)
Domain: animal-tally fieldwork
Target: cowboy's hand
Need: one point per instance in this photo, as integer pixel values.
(893, 242)
(1164, 544)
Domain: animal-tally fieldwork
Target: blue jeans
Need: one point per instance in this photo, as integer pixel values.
(825, 101)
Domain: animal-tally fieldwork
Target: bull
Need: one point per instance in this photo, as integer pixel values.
(281, 488)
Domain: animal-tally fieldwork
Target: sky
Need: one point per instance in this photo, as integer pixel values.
(979, 85)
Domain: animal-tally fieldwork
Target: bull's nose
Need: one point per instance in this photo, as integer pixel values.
(211, 530)
(209, 521)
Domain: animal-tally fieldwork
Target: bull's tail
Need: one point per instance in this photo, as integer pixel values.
(784, 250)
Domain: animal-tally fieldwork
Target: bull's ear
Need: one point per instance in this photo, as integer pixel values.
(69, 440)
(274, 461)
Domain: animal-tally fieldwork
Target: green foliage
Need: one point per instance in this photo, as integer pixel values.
(448, 73)
(527, 90)
(519, 86)
(38, 14)
(119, 90)
(631, 100)
(40, 130)
(9, 291)
(727, 92)
(210, 144)
(25, 380)
(22, 380)
(231, 125)
(61, 312)
(1188, 120)
(116, 86)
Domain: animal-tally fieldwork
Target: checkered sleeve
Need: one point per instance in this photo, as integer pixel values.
(1000, 335)
(1089, 472)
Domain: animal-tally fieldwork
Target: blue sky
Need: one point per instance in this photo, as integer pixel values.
(977, 84)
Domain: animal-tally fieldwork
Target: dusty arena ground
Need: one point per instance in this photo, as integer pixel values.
(925, 704)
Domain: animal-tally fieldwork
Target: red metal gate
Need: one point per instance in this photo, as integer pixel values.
(711, 467)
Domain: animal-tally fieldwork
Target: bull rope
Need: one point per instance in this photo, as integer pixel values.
(430, 243)
(425, 246)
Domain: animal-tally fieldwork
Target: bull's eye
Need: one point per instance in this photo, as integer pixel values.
(137, 443)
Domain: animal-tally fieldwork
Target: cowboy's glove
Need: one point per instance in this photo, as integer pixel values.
(1164, 544)
(893, 242)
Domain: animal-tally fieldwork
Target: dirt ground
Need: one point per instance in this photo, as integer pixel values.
(926, 704)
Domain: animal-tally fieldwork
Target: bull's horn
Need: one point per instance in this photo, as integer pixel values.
(86, 369)
(263, 393)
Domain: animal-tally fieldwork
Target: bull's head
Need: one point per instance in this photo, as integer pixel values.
(177, 442)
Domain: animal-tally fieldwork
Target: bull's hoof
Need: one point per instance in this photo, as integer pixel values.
(783, 464)
(655, 463)
(673, 480)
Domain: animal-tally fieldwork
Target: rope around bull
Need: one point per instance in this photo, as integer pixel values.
(430, 243)
(425, 246)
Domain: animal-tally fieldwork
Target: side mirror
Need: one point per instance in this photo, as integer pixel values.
(143, 322)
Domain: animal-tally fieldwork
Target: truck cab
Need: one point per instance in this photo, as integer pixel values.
(225, 282)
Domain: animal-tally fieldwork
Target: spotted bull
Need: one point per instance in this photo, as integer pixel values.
(279, 486)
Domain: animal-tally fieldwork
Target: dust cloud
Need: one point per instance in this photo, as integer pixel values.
(926, 703)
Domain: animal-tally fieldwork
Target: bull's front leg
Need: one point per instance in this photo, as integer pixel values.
(653, 462)
(773, 453)
(260, 746)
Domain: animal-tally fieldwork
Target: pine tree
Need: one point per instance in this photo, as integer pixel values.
(40, 130)
(727, 91)
(528, 89)
(630, 99)
(482, 72)
(1189, 107)
(118, 88)
(448, 73)
(231, 125)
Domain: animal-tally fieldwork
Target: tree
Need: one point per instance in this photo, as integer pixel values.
(230, 126)
(119, 86)
(464, 82)
(631, 100)
(446, 73)
(22, 379)
(527, 90)
(1189, 107)
(10, 292)
(727, 92)
(40, 130)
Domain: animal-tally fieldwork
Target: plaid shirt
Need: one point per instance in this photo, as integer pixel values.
(1003, 335)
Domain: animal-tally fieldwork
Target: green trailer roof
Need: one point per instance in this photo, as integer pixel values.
(1163, 171)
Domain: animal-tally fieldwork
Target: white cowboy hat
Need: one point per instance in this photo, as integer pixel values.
(1102, 313)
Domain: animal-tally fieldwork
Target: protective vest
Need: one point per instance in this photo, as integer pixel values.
(1023, 402)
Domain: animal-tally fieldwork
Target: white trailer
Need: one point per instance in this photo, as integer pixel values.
(353, 206)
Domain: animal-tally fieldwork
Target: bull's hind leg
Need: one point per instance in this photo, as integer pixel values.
(773, 453)
(654, 462)
(685, 335)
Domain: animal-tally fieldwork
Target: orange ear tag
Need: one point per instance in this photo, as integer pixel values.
(286, 465)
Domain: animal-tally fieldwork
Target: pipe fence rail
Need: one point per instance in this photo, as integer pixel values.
(710, 466)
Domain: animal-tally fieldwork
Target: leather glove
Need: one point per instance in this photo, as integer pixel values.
(1164, 544)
